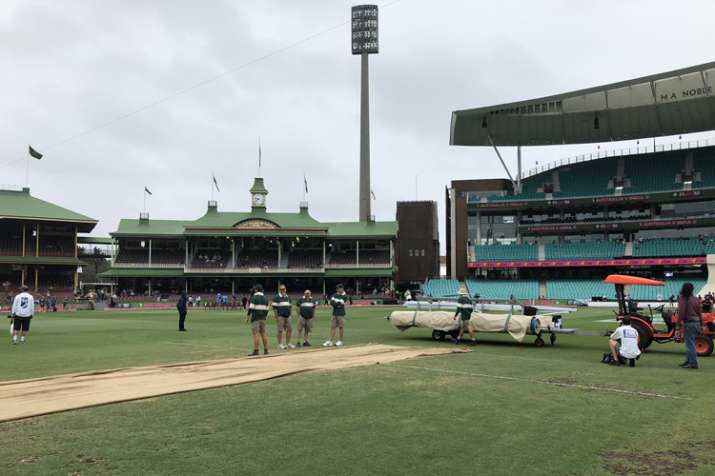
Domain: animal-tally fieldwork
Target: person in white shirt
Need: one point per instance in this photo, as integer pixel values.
(23, 307)
(624, 343)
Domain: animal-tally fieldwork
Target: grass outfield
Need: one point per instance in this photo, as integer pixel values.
(504, 408)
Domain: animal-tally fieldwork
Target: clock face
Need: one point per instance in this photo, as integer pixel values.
(259, 199)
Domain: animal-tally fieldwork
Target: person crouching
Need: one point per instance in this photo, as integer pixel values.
(624, 344)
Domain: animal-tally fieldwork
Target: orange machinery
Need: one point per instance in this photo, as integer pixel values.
(643, 323)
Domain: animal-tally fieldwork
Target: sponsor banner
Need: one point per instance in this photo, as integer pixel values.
(589, 262)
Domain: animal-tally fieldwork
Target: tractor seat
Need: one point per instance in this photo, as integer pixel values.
(668, 319)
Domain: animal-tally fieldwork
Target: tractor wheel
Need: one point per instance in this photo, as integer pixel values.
(704, 345)
(645, 337)
(539, 342)
(438, 335)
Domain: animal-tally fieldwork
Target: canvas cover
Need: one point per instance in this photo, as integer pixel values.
(516, 325)
(27, 398)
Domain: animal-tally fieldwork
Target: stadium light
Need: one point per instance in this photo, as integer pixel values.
(364, 42)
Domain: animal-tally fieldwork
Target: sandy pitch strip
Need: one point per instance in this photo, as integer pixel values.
(28, 398)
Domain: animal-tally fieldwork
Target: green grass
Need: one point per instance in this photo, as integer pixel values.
(505, 408)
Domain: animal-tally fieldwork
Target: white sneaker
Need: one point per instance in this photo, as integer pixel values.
(338, 343)
(22, 339)
(282, 347)
(291, 346)
(328, 343)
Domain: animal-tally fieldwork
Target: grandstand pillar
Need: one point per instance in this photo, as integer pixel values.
(233, 287)
(37, 240)
(357, 252)
(323, 259)
(186, 285)
(233, 253)
(150, 253)
(24, 231)
(186, 253)
(75, 241)
(37, 278)
(479, 228)
(323, 286)
(518, 169)
(148, 282)
(75, 280)
(280, 251)
(392, 253)
(22, 275)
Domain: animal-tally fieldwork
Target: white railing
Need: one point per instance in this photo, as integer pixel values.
(147, 265)
(356, 265)
(256, 270)
(602, 154)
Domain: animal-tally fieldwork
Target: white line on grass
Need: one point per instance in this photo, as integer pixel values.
(545, 382)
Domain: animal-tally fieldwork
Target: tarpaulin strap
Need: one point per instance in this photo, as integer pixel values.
(414, 318)
(506, 322)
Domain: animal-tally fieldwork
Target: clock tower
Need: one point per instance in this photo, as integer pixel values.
(258, 194)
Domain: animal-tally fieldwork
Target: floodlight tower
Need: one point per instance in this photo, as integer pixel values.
(364, 43)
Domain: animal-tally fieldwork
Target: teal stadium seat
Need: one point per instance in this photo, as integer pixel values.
(504, 288)
(506, 253)
(441, 288)
(665, 247)
(567, 289)
(671, 288)
(584, 250)
(704, 162)
(653, 173)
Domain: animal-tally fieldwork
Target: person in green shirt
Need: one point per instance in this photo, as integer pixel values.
(306, 309)
(282, 313)
(257, 312)
(464, 311)
(337, 321)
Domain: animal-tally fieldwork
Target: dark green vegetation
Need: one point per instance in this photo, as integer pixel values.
(504, 408)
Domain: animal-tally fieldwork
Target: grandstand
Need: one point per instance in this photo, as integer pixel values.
(555, 231)
(231, 251)
(39, 244)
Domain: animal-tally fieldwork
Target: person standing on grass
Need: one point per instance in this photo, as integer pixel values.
(337, 321)
(306, 309)
(464, 311)
(182, 306)
(23, 307)
(282, 312)
(257, 312)
(690, 322)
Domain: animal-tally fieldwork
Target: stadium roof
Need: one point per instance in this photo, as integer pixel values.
(255, 223)
(20, 205)
(676, 102)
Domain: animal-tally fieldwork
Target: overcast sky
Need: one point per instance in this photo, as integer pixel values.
(69, 67)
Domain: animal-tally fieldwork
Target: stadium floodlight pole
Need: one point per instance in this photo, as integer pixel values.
(364, 43)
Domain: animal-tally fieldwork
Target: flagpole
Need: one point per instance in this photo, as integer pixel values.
(27, 173)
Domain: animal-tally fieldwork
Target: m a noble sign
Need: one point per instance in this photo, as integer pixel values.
(364, 30)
